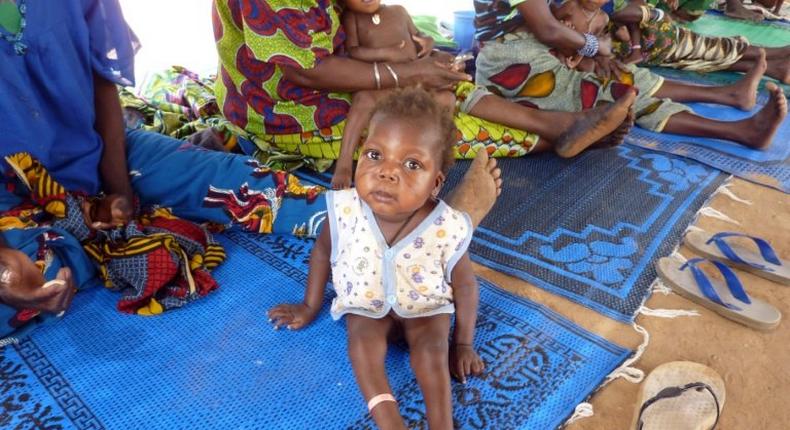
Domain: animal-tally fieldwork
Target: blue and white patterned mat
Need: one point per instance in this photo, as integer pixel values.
(218, 364)
(590, 228)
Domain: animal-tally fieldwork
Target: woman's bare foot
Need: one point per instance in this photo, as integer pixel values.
(618, 136)
(596, 125)
(779, 69)
(479, 188)
(760, 128)
(735, 9)
(744, 92)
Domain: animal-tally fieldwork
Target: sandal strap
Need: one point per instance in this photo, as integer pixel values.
(766, 251)
(705, 286)
(671, 392)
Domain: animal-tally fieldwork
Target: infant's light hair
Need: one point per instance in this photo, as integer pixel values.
(420, 106)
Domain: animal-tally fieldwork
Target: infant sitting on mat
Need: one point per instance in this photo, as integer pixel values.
(398, 260)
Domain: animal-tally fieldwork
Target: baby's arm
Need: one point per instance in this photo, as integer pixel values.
(394, 53)
(296, 316)
(466, 295)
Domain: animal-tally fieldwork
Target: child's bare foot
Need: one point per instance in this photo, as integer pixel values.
(634, 58)
(763, 125)
(479, 188)
(735, 9)
(341, 178)
(779, 69)
(464, 361)
(594, 126)
(744, 92)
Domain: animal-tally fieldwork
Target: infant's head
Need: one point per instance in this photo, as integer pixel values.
(407, 153)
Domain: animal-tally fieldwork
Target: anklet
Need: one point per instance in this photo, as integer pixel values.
(375, 400)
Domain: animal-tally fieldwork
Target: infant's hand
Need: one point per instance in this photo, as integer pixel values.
(425, 43)
(290, 316)
(109, 212)
(465, 361)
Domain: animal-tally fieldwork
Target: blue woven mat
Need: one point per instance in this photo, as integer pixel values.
(769, 167)
(218, 364)
(590, 228)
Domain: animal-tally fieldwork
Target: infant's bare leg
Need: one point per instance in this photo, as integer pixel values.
(429, 353)
(362, 104)
(367, 348)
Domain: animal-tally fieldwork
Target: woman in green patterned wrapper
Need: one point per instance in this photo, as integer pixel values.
(654, 39)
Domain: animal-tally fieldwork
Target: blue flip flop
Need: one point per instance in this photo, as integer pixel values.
(729, 247)
(727, 298)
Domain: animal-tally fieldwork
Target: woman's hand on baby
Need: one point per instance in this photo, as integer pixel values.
(292, 316)
(425, 43)
(464, 361)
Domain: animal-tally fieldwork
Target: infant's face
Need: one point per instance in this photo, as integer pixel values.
(363, 6)
(399, 166)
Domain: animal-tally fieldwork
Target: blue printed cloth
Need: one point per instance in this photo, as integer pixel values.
(218, 364)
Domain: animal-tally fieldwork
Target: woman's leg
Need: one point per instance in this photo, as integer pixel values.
(742, 94)
(568, 133)
(756, 132)
(367, 348)
(429, 354)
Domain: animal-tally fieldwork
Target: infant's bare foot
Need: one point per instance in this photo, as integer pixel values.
(464, 361)
(744, 92)
(479, 188)
(341, 179)
(595, 125)
(765, 122)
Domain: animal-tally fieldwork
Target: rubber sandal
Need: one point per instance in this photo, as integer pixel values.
(680, 395)
(728, 298)
(764, 263)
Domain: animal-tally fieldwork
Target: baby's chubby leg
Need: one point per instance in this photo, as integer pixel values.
(429, 353)
(367, 348)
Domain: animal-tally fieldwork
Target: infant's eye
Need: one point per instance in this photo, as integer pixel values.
(412, 165)
(373, 154)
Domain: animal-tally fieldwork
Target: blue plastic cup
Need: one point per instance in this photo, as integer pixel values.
(464, 29)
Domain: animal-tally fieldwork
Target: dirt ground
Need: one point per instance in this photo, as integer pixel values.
(755, 365)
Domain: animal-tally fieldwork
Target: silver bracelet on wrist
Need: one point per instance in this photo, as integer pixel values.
(377, 75)
(394, 75)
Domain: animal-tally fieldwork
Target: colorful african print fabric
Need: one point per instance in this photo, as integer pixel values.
(254, 40)
(178, 103)
(522, 69)
(667, 44)
(158, 261)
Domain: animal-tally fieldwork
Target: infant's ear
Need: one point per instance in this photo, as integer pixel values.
(437, 188)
